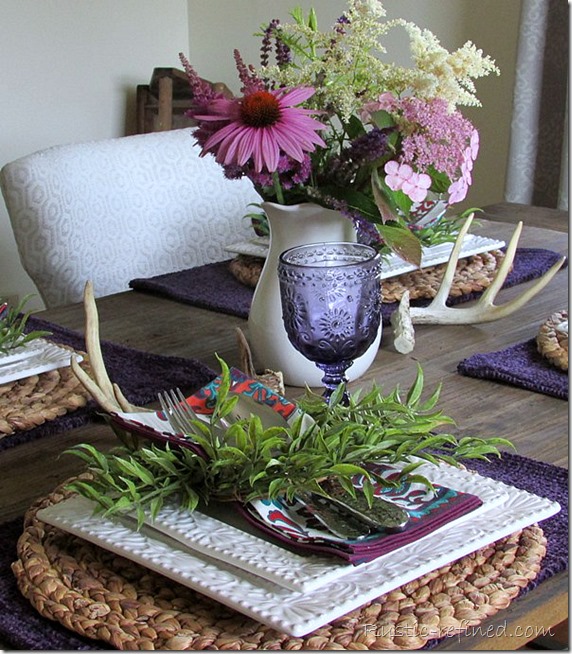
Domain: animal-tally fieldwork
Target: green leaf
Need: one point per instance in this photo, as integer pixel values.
(439, 181)
(133, 468)
(155, 506)
(312, 20)
(88, 491)
(368, 491)
(190, 501)
(123, 504)
(89, 453)
(354, 127)
(401, 241)
(347, 470)
(420, 479)
(416, 389)
(275, 487)
(382, 119)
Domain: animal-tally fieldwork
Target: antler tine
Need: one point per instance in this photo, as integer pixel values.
(443, 293)
(106, 403)
(92, 342)
(487, 298)
(485, 310)
(103, 391)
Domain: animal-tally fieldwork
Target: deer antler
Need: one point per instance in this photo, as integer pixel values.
(107, 394)
(483, 311)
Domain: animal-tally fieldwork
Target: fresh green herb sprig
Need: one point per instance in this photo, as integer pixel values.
(247, 461)
(446, 230)
(12, 324)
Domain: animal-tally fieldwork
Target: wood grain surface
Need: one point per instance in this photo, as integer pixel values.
(537, 424)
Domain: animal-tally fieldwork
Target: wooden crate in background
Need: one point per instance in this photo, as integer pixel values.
(161, 104)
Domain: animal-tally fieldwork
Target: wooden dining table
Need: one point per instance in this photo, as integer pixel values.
(536, 423)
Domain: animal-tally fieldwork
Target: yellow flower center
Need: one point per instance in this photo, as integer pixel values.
(259, 109)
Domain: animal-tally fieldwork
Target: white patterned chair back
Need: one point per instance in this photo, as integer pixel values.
(113, 210)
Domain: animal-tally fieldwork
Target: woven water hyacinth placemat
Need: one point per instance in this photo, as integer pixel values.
(472, 275)
(129, 607)
(552, 339)
(119, 604)
(32, 401)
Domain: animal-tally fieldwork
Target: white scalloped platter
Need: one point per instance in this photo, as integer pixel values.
(40, 356)
(392, 265)
(295, 612)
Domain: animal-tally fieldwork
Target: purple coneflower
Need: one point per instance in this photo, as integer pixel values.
(261, 126)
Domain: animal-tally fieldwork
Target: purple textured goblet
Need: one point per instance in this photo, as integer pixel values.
(331, 304)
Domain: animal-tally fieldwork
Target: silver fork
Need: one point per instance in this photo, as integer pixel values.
(177, 411)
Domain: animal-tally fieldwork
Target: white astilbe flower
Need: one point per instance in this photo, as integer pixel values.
(444, 74)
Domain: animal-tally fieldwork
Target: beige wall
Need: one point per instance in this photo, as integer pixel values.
(69, 72)
(219, 26)
(70, 69)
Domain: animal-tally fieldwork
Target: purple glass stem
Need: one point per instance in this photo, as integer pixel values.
(334, 375)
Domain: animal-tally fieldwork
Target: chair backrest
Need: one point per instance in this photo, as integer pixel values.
(113, 210)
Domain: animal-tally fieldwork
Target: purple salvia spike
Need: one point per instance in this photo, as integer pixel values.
(202, 90)
(265, 46)
(250, 81)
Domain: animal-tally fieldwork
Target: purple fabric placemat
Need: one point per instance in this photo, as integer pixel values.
(23, 628)
(214, 287)
(140, 375)
(211, 286)
(519, 365)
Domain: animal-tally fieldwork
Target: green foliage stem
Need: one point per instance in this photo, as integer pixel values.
(247, 461)
(12, 325)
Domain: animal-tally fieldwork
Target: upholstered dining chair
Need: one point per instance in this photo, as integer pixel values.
(112, 210)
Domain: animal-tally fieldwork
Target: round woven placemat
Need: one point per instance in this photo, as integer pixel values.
(473, 274)
(106, 597)
(246, 269)
(29, 402)
(552, 342)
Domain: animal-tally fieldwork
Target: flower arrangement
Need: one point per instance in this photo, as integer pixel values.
(331, 122)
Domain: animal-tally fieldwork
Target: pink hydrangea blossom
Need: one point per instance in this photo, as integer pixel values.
(386, 102)
(434, 136)
(474, 144)
(402, 177)
(458, 190)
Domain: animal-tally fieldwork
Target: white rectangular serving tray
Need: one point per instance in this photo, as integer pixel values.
(393, 265)
(299, 612)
